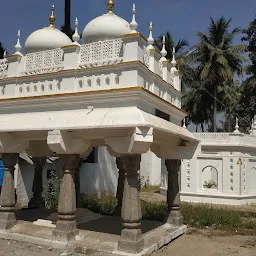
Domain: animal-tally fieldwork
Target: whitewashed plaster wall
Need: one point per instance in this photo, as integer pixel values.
(96, 178)
(233, 171)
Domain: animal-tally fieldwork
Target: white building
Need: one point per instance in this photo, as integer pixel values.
(114, 92)
(222, 170)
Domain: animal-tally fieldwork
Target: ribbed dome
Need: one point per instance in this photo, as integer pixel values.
(47, 38)
(107, 26)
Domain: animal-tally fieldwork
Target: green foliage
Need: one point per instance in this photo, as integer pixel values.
(201, 215)
(150, 188)
(156, 211)
(196, 215)
(104, 205)
(51, 191)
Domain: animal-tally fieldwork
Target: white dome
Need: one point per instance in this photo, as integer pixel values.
(47, 38)
(107, 26)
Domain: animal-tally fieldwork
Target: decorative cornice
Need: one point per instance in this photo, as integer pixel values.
(73, 45)
(116, 90)
(137, 34)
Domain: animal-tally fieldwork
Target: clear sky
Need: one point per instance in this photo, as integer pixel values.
(182, 17)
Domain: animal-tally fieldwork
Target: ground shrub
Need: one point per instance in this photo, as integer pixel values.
(104, 205)
(150, 188)
(195, 215)
(154, 210)
(51, 191)
(201, 215)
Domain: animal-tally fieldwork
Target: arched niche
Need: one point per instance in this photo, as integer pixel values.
(210, 177)
(251, 180)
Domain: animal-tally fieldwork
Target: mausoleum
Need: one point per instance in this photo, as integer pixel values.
(116, 91)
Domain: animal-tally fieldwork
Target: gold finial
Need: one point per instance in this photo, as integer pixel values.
(110, 6)
(52, 18)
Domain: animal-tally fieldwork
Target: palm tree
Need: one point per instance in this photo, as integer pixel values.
(217, 60)
(179, 47)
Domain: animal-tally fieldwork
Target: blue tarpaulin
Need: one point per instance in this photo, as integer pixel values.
(1, 172)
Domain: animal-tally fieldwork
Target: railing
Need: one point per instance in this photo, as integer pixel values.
(43, 62)
(212, 136)
(3, 68)
(101, 53)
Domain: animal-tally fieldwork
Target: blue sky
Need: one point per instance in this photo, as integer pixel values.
(182, 17)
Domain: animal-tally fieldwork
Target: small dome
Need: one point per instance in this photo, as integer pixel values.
(47, 38)
(105, 27)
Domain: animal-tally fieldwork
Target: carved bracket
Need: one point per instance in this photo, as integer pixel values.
(12, 144)
(62, 142)
(137, 143)
(183, 150)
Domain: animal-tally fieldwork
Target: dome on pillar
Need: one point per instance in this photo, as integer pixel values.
(47, 38)
(106, 27)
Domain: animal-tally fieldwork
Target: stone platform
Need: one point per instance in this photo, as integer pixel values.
(98, 235)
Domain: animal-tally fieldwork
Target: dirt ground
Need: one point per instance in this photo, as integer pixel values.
(196, 242)
(210, 243)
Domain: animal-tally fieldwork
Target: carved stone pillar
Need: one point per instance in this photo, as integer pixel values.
(7, 215)
(120, 186)
(131, 240)
(37, 200)
(66, 228)
(173, 193)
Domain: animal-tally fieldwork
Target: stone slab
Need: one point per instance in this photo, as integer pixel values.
(98, 235)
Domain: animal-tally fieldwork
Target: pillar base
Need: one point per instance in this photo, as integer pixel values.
(175, 218)
(131, 241)
(65, 230)
(7, 220)
(36, 204)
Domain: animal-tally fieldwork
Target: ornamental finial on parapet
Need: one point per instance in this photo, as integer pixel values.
(164, 52)
(174, 63)
(237, 126)
(133, 24)
(52, 18)
(110, 6)
(18, 47)
(76, 36)
(150, 38)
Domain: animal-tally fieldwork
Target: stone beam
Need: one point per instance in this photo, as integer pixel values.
(177, 150)
(63, 142)
(138, 142)
(38, 148)
(9, 143)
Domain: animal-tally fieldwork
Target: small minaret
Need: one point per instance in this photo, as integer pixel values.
(163, 52)
(150, 38)
(133, 24)
(18, 47)
(184, 123)
(237, 126)
(253, 129)
(76, 36)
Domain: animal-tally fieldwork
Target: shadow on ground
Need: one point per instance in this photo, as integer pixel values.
(86, 220)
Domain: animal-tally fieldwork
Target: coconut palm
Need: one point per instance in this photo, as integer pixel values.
(217, 59)
(179, 47)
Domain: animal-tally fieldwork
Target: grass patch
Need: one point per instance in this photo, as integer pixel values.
(195, 215)
(150, 189)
